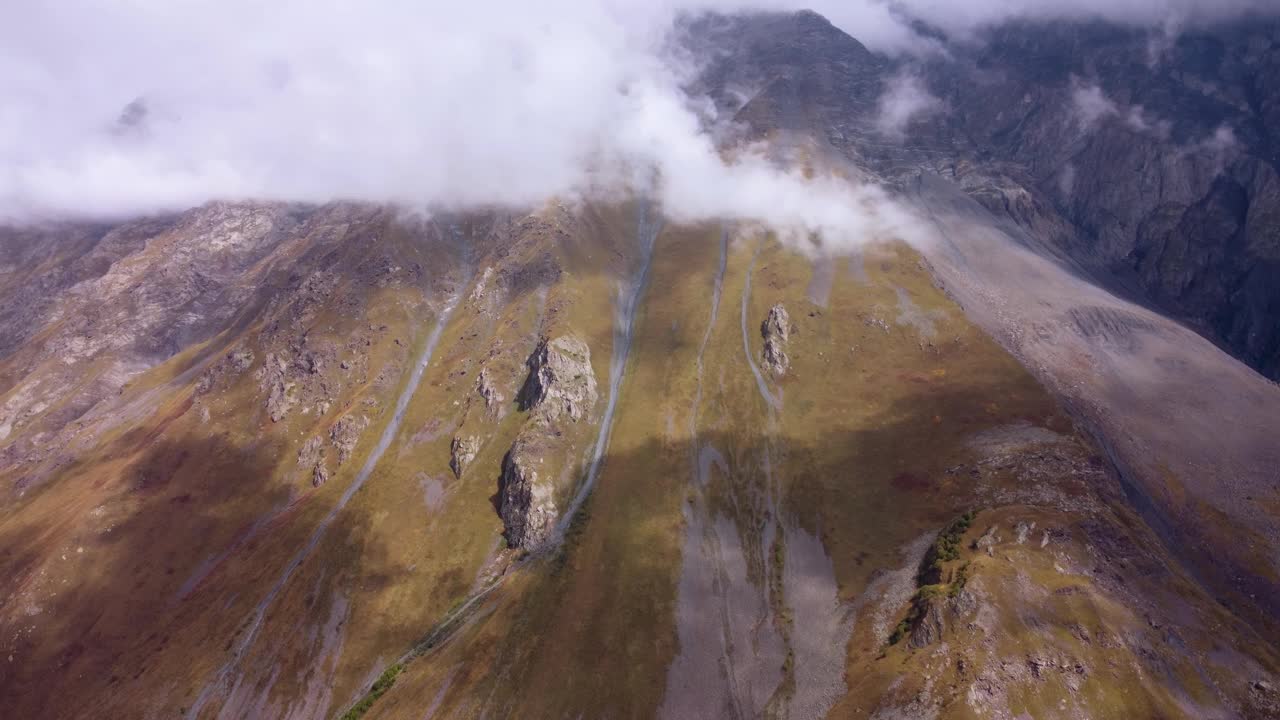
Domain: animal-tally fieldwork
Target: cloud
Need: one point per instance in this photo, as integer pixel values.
(118, 107)
(1090, 105)
(1222, 141)
(905, 98)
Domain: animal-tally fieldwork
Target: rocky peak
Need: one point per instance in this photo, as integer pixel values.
(561, 382)
(776, 331)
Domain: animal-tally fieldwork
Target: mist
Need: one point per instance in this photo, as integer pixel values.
(114, 109)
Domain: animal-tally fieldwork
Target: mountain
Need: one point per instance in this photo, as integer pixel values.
(581, 460)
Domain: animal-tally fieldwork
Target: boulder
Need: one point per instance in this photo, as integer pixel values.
(561, 382)
(461, 452)
(776, 331)
(526, 501)
(493, 398)
(345, 433)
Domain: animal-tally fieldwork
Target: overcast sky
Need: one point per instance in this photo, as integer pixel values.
(423, 103)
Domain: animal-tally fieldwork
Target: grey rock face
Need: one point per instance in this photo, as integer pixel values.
(233, 364)
(561, 385)
(312, 451)
(1166, 187)
(461, 452)
(493, 398)
(561, 382)
(526, 500)
(311, 456)
(240, 360)
(273, 378)
(776, 330)
(929, 627)
(345, 433)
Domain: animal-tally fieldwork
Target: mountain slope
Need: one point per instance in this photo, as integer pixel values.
(272, 460)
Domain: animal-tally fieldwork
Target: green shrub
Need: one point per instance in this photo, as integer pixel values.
(380, 686)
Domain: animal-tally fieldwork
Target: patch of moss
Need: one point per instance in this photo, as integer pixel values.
(380, 687)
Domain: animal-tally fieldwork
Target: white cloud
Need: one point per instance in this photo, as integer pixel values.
(1223, 140)
(119, 108)
(905, 98)
(1091, 104)
(423, 104)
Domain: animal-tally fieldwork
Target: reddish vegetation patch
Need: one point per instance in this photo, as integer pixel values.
(908, 482)
(919, 378)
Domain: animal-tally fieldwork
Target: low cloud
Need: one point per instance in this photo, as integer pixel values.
(1222, 141)
(905, 99)
(114, 108)
(1091, 106)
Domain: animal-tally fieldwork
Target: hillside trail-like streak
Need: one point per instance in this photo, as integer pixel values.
(775, 403)
(222, 682)
(624, 316)
(626, 305)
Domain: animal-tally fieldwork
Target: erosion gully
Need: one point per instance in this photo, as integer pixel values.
(229, 677)
(626, 305)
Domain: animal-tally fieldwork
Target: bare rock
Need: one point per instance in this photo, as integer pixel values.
(561, 382)
(240, 360)
(273, 379)
(280, 400)
(311, 456)
(493, 397)
(312, 452)
(461, 452)
(526, 501)
(963, 604)
(987, 540)
(1022, 529)
(481, 294)
(234, 363)
(930, 625)
(345, 433)
(776, 331)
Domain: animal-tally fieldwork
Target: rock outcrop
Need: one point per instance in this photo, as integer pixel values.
(273, 379)
(345, 433)
(526, 500)
(232, 364)
(930, 624)
(311, 458)
(461, 452)
(493, 397)
(241, 359)
(776, 331)
(561, 382)
(561, 385)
